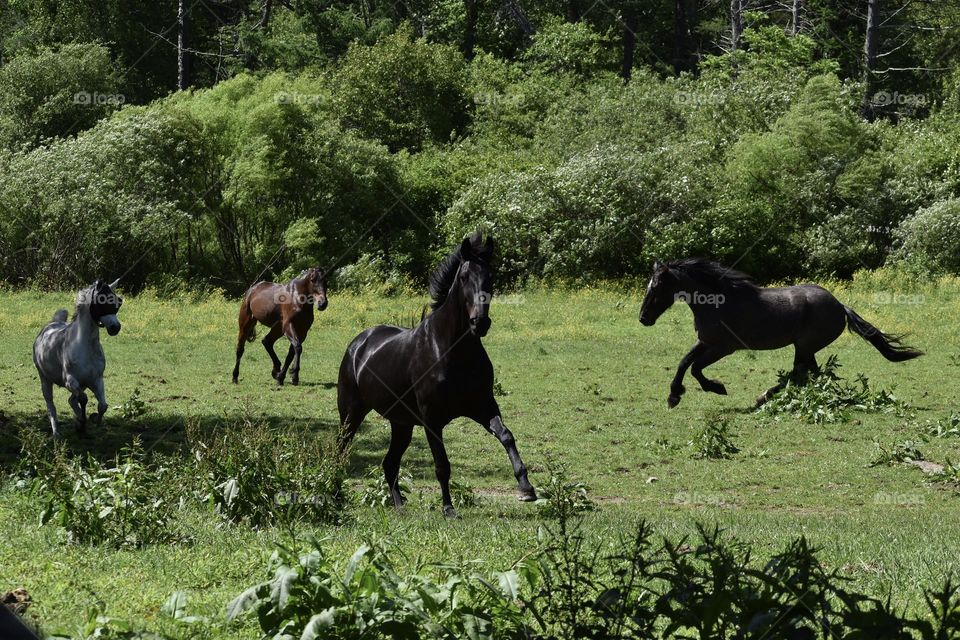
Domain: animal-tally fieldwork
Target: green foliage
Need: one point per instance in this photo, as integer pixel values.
(310, 595)
(403, 91)
(930, 239)
(713, 441)
(900, 452)
(128, 504)
(56, 93)
(827, 398)
(560, 46)
(376, 493)
(133, 407)
(251, 473)
(562, 498)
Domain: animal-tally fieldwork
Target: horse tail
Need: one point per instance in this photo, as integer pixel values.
(61, 315)
(248, 324)
(890, 346)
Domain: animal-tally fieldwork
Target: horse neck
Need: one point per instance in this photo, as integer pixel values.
(87, 327)
(450, 324)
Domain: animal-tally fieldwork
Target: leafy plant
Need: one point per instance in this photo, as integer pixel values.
(252, 473)
(124, 505)
(133, 407)
(713, 441)
(376, 493)
(311, 596)
(900, 452)
(827, 398)
(561, 498)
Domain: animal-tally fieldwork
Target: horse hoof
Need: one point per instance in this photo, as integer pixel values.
(528, 496)
(673, 401)
(450, 513)
(295, 382)
(720, 390)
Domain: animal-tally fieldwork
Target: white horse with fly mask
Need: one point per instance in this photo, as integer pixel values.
(68, 354)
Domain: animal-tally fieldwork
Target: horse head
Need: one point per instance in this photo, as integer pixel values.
(103, 303)
(475, 278)
(660, 294)
(316, 286)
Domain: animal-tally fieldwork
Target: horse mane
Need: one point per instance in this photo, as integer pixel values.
(443, 276)
(713, 273)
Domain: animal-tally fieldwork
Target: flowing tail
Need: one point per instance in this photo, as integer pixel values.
(887, 344)
(61, 315)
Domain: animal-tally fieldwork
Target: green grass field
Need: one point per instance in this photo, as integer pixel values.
(583, 383)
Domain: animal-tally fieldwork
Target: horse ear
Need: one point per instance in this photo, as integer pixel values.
(656, 265)
(114, 284)
(466, 249)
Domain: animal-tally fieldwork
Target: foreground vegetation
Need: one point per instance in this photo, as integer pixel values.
(579, 381)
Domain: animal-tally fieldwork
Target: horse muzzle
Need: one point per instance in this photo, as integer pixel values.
(645, 321)
(480, 326)
(321, 304)
(111, 324)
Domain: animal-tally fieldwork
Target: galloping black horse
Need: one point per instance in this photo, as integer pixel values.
(731, 313)
(432, 373)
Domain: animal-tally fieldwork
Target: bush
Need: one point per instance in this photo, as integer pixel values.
(713, 441)
(402, 91)
(56, 93)
(250, 473)
(128, 504)
(930, 239)
(570, 47)
(310, 596)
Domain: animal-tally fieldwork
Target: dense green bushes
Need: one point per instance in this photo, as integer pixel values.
(378, 163)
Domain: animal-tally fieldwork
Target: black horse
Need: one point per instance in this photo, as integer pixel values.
(731, 313)
(432, 373)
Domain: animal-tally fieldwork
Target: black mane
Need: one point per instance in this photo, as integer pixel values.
(443, 276)
(706, 271)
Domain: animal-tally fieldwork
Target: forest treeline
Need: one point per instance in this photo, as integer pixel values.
(214, 142)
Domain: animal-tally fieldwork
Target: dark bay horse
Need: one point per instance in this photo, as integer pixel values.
(432, 373)
(731, 313)
(287, 310)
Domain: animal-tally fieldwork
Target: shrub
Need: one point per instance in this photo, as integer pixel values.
(309, 596)
(254, 474)
(570, 47)
(128, 504)
(56, 93)
(931, 238)
(403, 91)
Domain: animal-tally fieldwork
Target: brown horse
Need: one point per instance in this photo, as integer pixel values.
(288, 310)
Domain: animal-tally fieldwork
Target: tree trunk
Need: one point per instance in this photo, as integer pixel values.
(516, 12)
(573, 11)
(736, 23)
(629, 42)
(795, 10)
(183, 44)
(265, 15)
(870, 57)
(681, 37)
(470, 29)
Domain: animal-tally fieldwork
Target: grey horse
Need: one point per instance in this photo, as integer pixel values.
(731, 313)
(69, 354)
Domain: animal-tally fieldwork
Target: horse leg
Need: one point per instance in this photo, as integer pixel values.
(47, 388)
(803, 365)
(268, 341)
(704, 360)
(442, 464)
(78, 402)
(295, 369)
(286, 364)
(400, 435)
(676, 387)
(101, 397)
(493, 422)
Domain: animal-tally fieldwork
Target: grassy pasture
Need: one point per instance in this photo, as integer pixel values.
(583, 383)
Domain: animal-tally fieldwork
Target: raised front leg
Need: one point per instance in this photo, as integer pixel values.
(676, 387)
(101, 397)
(442, 464)
(399, 441)
(47, 389)
(493, 423)
(704, 360)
